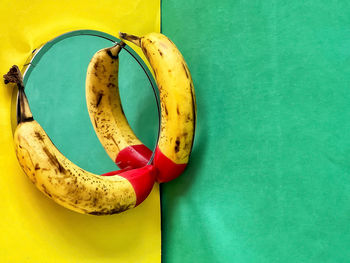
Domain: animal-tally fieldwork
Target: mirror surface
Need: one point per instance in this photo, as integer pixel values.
(56, 92)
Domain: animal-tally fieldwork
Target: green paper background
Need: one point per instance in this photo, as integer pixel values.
(269, 177)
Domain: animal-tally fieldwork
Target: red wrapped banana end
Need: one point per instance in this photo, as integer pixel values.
(167, 170)
(133, 156)
(142, 179)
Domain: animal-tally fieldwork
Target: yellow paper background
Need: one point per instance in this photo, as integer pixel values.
(33, 227)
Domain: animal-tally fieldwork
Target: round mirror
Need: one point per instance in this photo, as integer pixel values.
(55, 87)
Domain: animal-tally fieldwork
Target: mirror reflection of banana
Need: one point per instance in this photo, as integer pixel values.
(178, 107)
(106, 111)
(178, 104)
(63, 181)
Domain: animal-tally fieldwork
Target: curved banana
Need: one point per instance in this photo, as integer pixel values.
(178, 104)
(178, 107)
(106, 111)
(64, 182)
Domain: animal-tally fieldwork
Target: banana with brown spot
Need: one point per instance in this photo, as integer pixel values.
(106, 111)
(178, 104)
(63, 181)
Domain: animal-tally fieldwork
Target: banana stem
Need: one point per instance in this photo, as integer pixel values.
(14, 76)
(23, 110)
(134, 39)
(114, 51)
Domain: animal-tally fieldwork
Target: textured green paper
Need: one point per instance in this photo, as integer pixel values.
(269, 178)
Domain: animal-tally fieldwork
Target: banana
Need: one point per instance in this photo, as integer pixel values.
(63, 181)
(178, 103)
(178, 107)
(106, 111)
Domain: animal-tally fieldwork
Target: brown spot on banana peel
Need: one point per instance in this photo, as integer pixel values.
(110, 136)
(96, 125)
(30, 159)
(94, 200)
(170, 41)
(177, 110)
(54, 161)
(64, 201)
(160, 52)
(115, 210)
(34, 178)
(177, 145)
(111, 85)
(43, 187)
(94, 89)
(114, 141)
(110, 78)
(145, 52)
(104, 68)
(38, 136)
(194, 116)
(187, 146)
(99, 98)
(185, 69)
